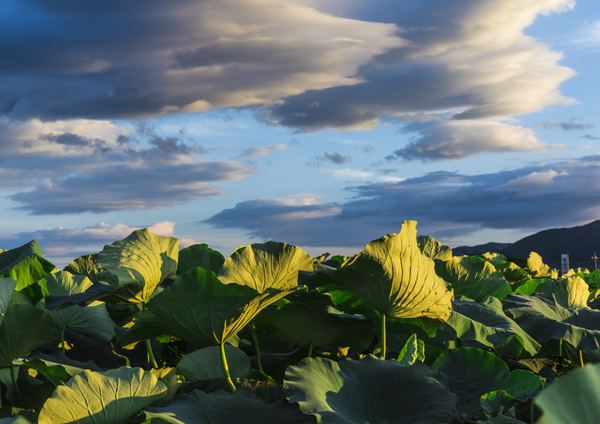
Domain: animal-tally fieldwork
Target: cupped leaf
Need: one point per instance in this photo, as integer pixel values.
(541, 316)
(225, 408)
(396, 279)
(413, 350)
(538, 268)
(25, 264)
(204, 364)
(111, 397)
(433, 249)
(140, 263)
(473, 277)
(200, 309)
(573, 398)
(471, 373)
(85, 265)
(92, 320)
(7, 289)
(64, 283)
(266, 265)
(368, 390)
(23, 329)
(313, 324)
(569, 292)
(199, 255)
(486, 323)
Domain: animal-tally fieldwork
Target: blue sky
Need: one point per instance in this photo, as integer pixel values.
(325, 126)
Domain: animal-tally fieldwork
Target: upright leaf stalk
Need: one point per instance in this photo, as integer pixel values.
(383, 336)
(226, 368)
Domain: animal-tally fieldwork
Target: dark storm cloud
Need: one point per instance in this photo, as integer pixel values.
(445, 204)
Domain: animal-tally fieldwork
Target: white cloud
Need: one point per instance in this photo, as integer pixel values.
(531, 181)
(351, 174)
(256, 152)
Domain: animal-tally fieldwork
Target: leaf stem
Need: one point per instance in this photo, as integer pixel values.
(256, 346)
(560, 347)
(62, 337)
(581, 358)
(310, 349)
(151, 359)
(383, 336)
(226, 368)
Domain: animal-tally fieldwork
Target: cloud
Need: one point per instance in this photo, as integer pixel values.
(66, 60)
(445, 204)
(567, 126)
(65, 167)
(256, 152)
(590, 137)
(452, 140)
(335, 158)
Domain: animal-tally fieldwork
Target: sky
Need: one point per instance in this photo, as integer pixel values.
(320, 124)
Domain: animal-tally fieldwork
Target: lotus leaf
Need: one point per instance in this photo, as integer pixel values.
(204, 364)
(486, 323)
(266, 265)
(23, 329)
(64, 283)
(199, 255)
(433, 249)
(224, 408)
(471, 373)
(92, 320)
(573, 398)
(313, 324)
(25, 264)
(538, 268)
(7, 289)
(139, 263)
(541, 316)
(413, 350)
(111, 397)
(85, 265)
(571, 292)
(200, 309)
(368, 390)
(530, 286)
(16, 419)
(473, 277)
(396, 279)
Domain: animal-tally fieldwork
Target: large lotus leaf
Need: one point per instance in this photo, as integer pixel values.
(200, 309)
(573, 398)
(368, 390)
(7, 289)
(396, 279)
(23, 329)
(199, 255)
(571, 292)
(312, 324)
(266, 265)
(140, 262)
(541, 316)
(85, 265)
(513, 273)
(538, 268)
(111, 397)
(530, 286)
(64, 283)
(226, 408)
(486, 323)
(471, 373)
(25, 264)
(204, 364)
(473, 277)
(92, 320)
(433, 248)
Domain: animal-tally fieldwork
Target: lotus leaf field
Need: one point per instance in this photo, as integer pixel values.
(403, 332)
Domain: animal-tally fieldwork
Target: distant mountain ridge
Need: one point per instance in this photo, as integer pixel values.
(579, 242)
